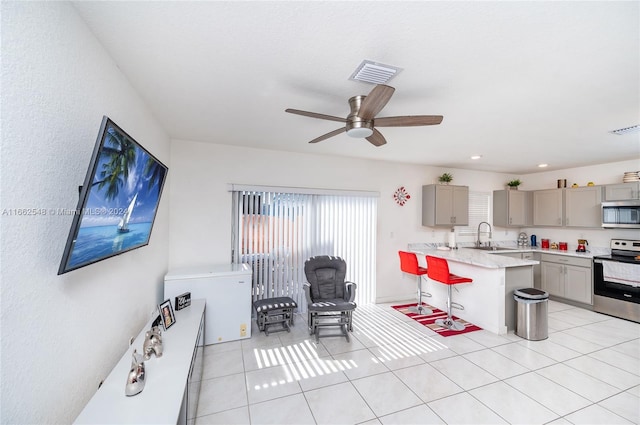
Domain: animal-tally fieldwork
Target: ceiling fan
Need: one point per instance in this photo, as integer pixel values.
(361, 121)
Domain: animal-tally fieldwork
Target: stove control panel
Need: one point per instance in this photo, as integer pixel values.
(625, 245)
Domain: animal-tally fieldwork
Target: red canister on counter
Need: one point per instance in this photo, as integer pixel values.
(562, 246)
(544, 243)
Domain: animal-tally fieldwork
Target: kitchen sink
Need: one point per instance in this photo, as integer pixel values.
(492, 248)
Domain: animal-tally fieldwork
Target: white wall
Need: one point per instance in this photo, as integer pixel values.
(611, 173)
(602, 174)
(62, 334)
(201, 204)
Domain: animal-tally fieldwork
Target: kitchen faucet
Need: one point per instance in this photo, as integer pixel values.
(478, 241)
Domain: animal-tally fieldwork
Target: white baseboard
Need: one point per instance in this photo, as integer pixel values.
(397, 299)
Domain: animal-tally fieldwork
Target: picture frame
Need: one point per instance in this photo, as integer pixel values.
(182, 301)
(167, 316)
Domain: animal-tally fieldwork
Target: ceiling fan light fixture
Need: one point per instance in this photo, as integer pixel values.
(359, 132)
(357, 127)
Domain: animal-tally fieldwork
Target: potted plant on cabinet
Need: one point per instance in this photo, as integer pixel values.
(445, 178)
(513, 184)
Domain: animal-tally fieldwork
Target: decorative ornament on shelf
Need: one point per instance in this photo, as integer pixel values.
(136, 376)
(445, 178)
(401, 196)
(513, 184)
(152, 343)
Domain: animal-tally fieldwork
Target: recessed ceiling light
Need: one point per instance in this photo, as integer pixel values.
(543, 165)
(476, 157)
(632, 129)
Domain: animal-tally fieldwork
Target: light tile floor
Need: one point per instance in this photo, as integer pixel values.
(395, 371)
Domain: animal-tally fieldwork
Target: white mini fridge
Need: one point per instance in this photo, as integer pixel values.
(227, 291)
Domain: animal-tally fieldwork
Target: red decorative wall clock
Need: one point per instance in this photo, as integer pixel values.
(401, 195)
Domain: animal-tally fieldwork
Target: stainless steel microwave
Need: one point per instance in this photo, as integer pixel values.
(621, 214)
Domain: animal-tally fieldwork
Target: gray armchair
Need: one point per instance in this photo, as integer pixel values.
(330, 299)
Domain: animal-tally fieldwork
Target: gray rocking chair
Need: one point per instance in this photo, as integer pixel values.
(329, 297)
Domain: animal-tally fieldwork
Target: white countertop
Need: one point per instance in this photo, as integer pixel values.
(479, 258)
(587, 254)
(493, 259)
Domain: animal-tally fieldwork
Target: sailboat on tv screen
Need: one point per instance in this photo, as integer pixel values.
(123, 226)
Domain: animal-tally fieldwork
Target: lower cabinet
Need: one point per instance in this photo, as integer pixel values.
(536, 269)
(567, 277)
(172, 382)
(528, 256)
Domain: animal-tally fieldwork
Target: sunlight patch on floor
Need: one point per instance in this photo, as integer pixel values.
(394, 339)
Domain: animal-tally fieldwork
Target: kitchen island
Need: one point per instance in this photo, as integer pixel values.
(488, 301)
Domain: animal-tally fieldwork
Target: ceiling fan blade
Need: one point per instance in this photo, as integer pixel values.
(331, 134)
(315, 115)
(375, 101)
(377, 139)
(408, 121)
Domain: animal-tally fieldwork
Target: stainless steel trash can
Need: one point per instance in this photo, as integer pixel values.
(532, 315)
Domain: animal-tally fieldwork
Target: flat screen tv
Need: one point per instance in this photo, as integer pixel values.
(118, 200)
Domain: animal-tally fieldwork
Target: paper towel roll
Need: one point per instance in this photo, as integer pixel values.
(452, 239)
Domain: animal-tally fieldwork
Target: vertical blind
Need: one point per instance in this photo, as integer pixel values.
(276, 232)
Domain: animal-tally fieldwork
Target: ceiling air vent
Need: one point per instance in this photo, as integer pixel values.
(374, 73)
(632, 129)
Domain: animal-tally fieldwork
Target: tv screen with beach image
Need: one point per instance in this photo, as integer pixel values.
(118, 201)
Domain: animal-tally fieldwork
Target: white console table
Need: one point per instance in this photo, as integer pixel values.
(171, 391)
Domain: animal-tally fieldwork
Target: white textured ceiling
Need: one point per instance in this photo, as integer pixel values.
(519, 83)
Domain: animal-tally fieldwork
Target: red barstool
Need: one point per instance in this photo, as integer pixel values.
(438, 270)
(409, 264)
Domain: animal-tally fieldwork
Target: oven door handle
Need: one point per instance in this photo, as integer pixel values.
(597, 260)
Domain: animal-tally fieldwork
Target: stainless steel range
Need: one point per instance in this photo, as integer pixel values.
(616, 280)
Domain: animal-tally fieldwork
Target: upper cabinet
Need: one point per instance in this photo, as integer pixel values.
(548, 207)
(583, 207)
(445, 205)
(575, 207)
(622, 191)
(512, 208)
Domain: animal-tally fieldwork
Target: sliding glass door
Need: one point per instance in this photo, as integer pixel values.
(276, 232)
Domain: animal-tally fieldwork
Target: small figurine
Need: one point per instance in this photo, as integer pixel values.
(153, 343)
(136, 377)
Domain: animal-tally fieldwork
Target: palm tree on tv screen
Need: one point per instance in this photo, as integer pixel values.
(121, 154)
(155, 172)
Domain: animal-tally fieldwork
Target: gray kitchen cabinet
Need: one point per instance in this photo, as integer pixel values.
(512, 208)
(552, 278)
(445, 205)
(622, 191)
(578, 285)
(536, 269)
(527, 256)
(583, 207)
(548, 207)
(567, 277)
